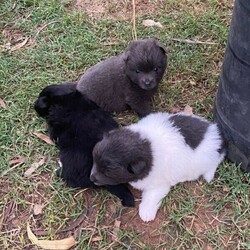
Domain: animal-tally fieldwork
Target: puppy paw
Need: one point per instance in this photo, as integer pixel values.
(129, 201)
(209, 176)
(147, 213)
(58, 172)
(143, 113)
(122, 192)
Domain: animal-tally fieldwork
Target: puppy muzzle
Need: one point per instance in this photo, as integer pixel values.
(148, 84)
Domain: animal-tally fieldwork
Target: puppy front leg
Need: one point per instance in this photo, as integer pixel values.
(122, 192)
(151, 201)
(141, 107)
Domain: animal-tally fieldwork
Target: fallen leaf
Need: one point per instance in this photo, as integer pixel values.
(116, 230)
(63, 244)
(44, 138)
(188, 110)
(192, 82)
(37, 209)
(34, 166)
(17, 160)
(97, 238)
(14, 163)
(19, 45)
(226, 189)
(1, 221)
(6, 46)
(149, 22)
(208, 247)
(5, 243)
(114, 43)
(5, 33)
(2, 104)
(14, 36)
(176, 109)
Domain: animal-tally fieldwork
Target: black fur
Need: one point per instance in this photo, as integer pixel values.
(114, 163)
(192, 129)
(76, 124)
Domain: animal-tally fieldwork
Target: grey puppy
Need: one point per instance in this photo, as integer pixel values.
(127, 80)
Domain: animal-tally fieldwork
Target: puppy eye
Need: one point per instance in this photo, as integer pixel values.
(137, 71)
(155, 69)
(109, 171)
(130, 169)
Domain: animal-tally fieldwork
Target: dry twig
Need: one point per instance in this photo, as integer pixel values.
(134, 34)
(43, 27)
(191, 41)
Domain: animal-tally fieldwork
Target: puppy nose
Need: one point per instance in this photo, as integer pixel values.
(93, 178)
(148, 82)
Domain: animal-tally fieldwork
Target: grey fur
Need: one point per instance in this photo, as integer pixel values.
(127, 80)
(122, 156)
(192, 128)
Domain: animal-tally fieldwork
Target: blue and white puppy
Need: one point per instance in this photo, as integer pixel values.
(156, 153)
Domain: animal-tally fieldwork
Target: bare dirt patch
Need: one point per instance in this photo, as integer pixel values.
(151, 233)
(104, 217)
(118, 10)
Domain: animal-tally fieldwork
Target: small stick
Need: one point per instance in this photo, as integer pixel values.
(10, 231)
(43, 27)
(221, 221)
(191, 41)
(134, 35)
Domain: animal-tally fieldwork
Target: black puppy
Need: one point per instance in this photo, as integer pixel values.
(76, 124)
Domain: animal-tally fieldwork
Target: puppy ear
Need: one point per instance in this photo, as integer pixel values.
(42, 106)
(136, 168)
(42, 102)
(125, 56)
(161, 46)
(130, 47)
(105, 135)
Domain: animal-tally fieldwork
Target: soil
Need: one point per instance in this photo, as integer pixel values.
(119, 10)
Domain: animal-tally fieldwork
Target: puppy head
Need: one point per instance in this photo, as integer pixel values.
(52, 94)
(146, 61)
(121, 157)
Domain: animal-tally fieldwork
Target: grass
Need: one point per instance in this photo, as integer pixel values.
(194, 215)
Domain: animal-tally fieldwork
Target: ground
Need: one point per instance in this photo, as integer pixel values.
(47, 42)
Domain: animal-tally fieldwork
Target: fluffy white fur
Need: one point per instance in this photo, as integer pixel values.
(173, 160)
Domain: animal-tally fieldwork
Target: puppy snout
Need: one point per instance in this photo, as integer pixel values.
(93, 178)
(148, 82)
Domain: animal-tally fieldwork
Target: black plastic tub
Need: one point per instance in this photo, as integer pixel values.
(232, 103)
